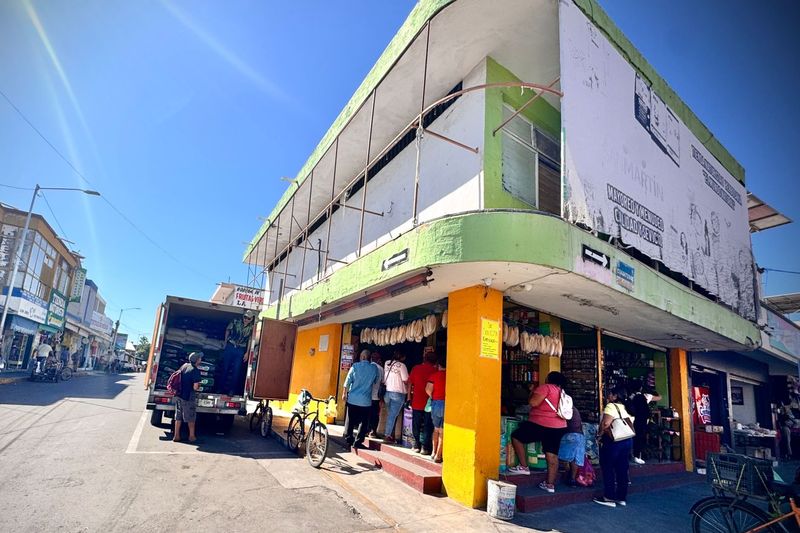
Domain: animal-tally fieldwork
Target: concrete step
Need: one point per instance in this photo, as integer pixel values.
(412, 474)
(532, 498)
(649, 469)
(407, 454)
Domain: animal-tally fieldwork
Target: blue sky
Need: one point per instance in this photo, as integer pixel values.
(186, 114)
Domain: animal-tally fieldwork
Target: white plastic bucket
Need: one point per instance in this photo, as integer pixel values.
(502, 500)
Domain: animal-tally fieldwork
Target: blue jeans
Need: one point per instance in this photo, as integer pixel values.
(614, 463)
(394, 404)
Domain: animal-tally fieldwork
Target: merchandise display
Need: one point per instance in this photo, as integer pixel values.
(187, 335)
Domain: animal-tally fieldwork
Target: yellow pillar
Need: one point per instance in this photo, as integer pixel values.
(679, 396)
(472, 404)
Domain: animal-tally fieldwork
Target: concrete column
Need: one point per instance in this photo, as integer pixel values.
(472, 404)
(680, 399)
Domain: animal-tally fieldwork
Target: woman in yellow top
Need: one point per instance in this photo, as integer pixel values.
(614, 454)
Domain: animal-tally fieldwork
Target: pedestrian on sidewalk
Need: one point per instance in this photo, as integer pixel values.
(395, 378)
(375, 409)
(436, 390)
(421, 422)
(544, 425)
(573, 447)
(186, 401)
(614, 454)
(357, 395)
(638, 406)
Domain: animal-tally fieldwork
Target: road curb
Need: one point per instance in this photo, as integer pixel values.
(19, 379)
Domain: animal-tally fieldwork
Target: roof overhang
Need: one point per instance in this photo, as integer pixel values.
(763, 216)
(784, 303)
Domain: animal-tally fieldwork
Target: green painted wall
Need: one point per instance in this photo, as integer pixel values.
(539, 112)
(511, 236)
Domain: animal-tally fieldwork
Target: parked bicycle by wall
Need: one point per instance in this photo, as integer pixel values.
(316, 438)
(737, 481)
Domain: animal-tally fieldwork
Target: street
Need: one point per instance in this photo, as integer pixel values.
(82, 456)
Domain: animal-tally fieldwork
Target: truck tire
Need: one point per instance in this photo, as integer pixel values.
(156, 418)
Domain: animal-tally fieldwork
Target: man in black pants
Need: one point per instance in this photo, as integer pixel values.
(357, 394)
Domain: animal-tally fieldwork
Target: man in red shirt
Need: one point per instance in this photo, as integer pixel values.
(421, 424)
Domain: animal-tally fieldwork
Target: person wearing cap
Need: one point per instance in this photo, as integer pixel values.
(186, 401)
(234, 357)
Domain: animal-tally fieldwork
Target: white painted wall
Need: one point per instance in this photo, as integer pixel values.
(745, 414)
(450, 182)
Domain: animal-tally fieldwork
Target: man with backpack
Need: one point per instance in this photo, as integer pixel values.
(184, 383)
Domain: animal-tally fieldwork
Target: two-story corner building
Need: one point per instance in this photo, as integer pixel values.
(520, 173)
(39, 298)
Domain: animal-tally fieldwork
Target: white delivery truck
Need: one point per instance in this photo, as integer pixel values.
(183, 326)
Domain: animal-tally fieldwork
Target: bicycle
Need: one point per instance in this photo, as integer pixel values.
(734, 480)
(316, 439)
(261, 418)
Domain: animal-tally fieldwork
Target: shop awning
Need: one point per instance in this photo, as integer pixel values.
(784, 303)
(48, 329)
(21, 324)
(762, 215)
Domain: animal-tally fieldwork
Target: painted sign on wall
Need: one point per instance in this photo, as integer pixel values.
(25, 304)
(633, 170)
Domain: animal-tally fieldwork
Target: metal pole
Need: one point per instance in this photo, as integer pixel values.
(278, 308)
(420, 129)
(305, 233)
(19, 249)
(366, 175)
(330, 207)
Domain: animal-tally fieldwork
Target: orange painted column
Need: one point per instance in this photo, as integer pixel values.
(472, 403)
(680, 399)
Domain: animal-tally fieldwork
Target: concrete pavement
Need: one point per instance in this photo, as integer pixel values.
(82, 456)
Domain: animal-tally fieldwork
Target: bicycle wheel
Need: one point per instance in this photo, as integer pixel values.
(317, 444)
(722, 516)
(66, 373)
(255, 417)
(266, 422)
(295, 432)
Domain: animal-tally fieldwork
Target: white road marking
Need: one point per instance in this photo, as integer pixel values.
(137, 434)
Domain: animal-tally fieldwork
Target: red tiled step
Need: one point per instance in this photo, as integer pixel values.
(531, 499)
(415, 476)
(649, 469)
(406, 454)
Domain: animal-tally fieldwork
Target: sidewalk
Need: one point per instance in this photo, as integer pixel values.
(385, 502)
(17, 376)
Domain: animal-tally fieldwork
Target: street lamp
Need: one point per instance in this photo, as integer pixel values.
(18, 255)
(116, 330)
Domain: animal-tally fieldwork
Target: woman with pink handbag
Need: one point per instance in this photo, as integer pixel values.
(616, 441)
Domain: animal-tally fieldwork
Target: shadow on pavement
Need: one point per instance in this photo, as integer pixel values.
(95, 386)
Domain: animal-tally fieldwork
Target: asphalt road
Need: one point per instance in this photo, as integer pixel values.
(82, 456)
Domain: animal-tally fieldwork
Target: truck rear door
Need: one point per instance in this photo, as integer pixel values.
(273, 372)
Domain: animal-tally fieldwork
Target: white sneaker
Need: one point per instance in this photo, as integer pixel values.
(603, 501)
(638, 461)
(519, 471)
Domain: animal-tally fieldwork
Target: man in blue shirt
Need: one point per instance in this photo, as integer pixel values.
(357, 394)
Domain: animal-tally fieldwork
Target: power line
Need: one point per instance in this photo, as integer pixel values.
(15, 187)
(103, 197)
(781, 271)
(64, 233)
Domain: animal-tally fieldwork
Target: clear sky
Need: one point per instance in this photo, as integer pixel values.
(186, 114)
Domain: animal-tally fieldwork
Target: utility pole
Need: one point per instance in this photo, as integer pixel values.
(17, 257)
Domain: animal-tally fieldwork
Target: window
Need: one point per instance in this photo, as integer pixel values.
(531, 164)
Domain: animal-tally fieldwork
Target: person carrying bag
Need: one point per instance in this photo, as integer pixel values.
(616, 442)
